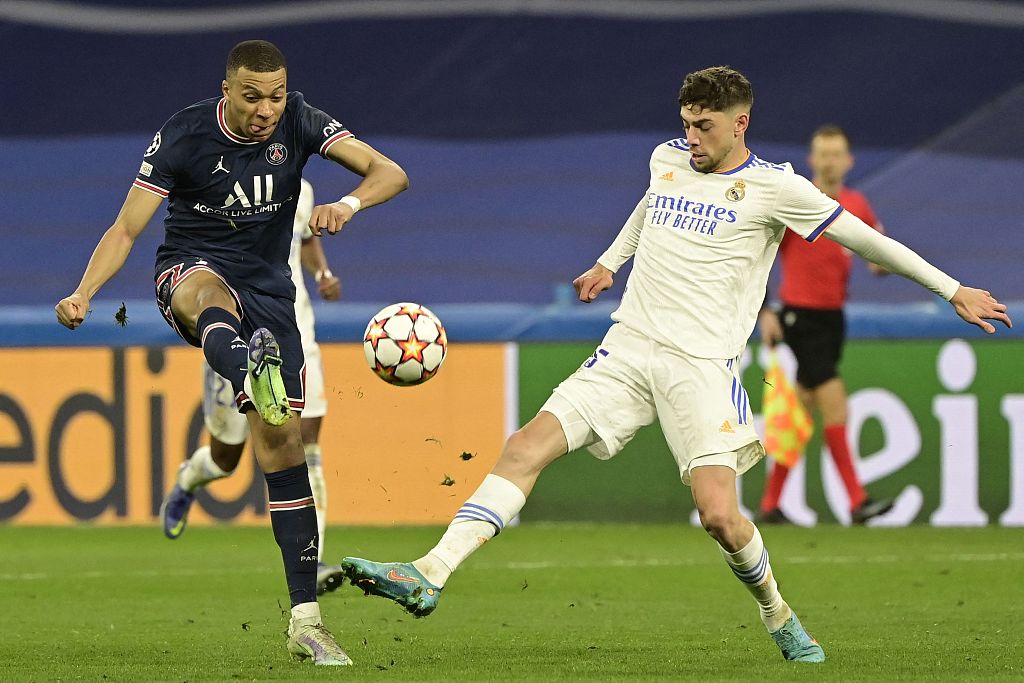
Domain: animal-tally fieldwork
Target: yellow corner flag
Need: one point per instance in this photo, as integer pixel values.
(787, 427)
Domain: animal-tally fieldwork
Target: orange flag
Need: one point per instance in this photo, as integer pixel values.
(787, 427)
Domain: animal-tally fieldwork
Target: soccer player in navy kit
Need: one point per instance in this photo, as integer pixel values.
(231, 169)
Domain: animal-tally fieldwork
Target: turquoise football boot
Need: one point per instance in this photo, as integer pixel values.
(396, 581)
(796, 644)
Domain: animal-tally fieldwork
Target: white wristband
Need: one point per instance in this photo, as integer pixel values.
(320, 274)
(352, 202)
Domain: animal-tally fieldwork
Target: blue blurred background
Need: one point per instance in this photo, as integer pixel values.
(525, 126)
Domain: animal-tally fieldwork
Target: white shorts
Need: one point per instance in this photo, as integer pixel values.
(631, 381)
(220, 415)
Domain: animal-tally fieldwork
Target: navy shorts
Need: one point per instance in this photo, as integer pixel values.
(816, 337)
(277, 314)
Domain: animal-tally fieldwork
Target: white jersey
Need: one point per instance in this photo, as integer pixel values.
(704, 245)
(301, 231)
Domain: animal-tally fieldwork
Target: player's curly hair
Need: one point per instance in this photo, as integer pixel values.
(259, 56)
(716, 88)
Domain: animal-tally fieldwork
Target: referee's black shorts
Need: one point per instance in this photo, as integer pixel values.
(816, 337)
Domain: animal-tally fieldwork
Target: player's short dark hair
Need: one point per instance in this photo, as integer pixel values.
(716, 88)
(831, 130)
(260, 56)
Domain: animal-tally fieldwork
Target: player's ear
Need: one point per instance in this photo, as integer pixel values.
(741, 122)
(224, 87)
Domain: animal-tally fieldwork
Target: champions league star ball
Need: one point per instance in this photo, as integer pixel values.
(405, 344)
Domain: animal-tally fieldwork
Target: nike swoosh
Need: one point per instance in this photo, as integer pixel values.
(402, 578)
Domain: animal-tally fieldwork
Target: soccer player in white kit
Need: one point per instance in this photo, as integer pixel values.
(703, 239)
(229, 429)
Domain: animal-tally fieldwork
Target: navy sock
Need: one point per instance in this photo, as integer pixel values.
(225, 351)
(293, 516)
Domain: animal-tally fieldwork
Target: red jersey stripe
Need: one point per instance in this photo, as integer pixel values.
(149, 187)
(331, 140)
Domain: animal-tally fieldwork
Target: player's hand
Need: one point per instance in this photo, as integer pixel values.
(770, 326)
(71, 311)
(329, 217)
(329, 286)
(592, 283)
(977, 305)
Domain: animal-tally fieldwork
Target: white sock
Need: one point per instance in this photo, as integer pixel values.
(751, 566)
(304, 614)
(480, 518)
(319, 486)
(199, 470)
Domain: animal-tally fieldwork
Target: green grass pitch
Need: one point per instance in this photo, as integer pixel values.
(542, 602)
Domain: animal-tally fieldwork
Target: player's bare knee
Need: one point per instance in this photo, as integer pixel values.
(279, 447)
(718, 521)
(523, 453)
(516, 454)
(198, 293)
(226, 455)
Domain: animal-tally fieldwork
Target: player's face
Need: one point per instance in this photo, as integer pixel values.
(255, 102)
(830, 159)
(712, 135)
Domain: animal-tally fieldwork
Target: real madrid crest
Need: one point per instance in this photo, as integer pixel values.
(737, 192)
(277, 153)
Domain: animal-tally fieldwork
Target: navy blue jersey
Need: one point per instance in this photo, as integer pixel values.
(232, 201)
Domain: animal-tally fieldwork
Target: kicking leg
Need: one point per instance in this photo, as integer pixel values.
(714, 492)
(417, 585)
(208, 311)
(205, 307)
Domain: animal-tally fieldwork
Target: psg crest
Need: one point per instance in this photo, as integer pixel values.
(277, 153)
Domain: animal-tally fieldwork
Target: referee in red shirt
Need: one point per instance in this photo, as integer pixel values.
(811, 323)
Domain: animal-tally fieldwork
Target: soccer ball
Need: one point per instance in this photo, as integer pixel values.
(405, 344)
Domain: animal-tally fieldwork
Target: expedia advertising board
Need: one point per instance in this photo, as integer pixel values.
(96, 434)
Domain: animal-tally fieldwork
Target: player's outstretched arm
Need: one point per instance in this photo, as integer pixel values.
(109, 255)
(382, 180)
(975, 306)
